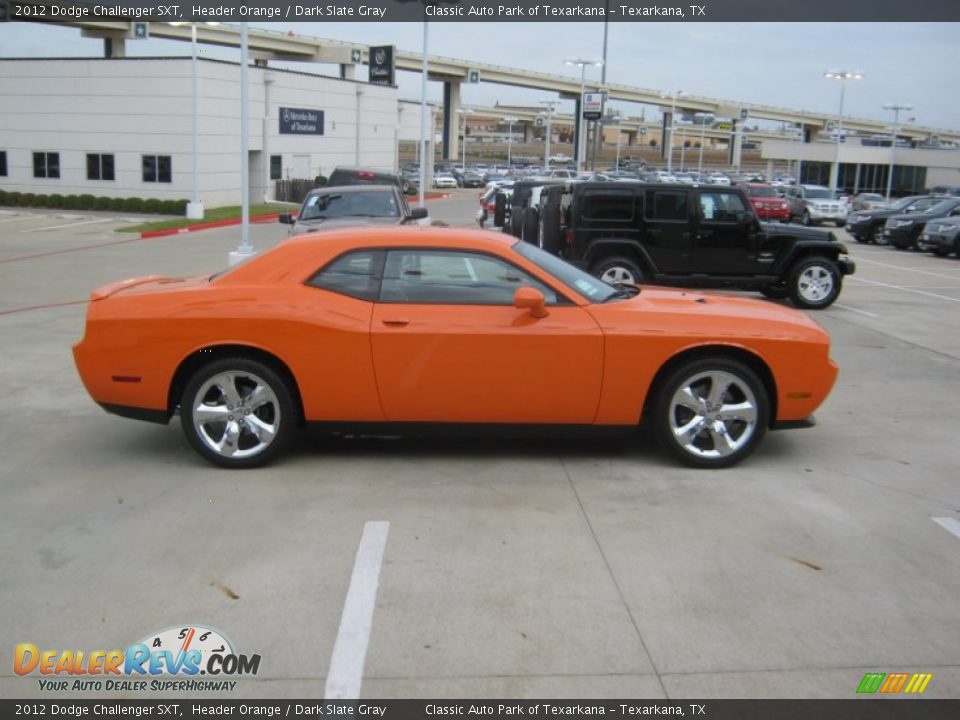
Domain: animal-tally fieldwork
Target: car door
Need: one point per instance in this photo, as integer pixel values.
(666, 229)
(449, 346)
(727, 234)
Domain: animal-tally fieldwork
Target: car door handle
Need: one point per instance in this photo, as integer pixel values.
(396, 322)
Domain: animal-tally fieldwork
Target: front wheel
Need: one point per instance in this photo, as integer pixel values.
(807, 220)
(237, 413)
(614, 270)
(711, 413)
(814, 283)
(877, 237)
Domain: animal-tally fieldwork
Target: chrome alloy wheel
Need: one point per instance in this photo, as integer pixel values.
(713, 414)
(618, 274)
(236, 414)
(815, 284)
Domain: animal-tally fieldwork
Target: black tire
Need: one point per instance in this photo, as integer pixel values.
(814, 283)
(775, 292)
(840, 223)
(806, 219)
(940, 251)
(262, 429)
(529, 229)
(499, 210)
(709, 436)
(551, 238)
(618, 269)
(876, 235)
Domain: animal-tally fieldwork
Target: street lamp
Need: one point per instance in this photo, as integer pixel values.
(896, 107)
(619, 122)
(673, 114)
(550, 105)
(702, 117)
(842, 76)
(581, 144)
(510, 121)
(422, 141)
(463, 161)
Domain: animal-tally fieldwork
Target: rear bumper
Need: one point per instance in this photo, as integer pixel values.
(847, 266)
(807, 422)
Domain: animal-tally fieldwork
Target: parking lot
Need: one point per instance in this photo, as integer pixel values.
(511, 568)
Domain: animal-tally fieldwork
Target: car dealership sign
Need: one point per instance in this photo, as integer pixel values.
(301, 121)
(382, 70)
(593, 105)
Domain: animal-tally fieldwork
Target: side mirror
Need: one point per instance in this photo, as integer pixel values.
(528, 298)
(285, 219)
(418, 213)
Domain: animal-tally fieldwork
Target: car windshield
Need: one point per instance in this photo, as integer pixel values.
(323, 206)
(904, 203)
(819, 194)
(762, 192)
(589, 287)
(942, 208)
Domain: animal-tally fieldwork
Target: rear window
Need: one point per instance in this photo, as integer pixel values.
(609, 205)
(361, 177)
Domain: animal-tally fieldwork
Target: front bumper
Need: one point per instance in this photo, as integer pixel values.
(929, 242)
(827, 214)
(901, 237)
(847, 266)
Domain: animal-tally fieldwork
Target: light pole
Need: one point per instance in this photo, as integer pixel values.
(896, 107)
(422, 142)
(581, 141)
(550, 105)
(702, 117)
(510, 121)
(842, 76)
(245, 249)
(683, 147)
(619, 121)
(673, 114)
(463, 161)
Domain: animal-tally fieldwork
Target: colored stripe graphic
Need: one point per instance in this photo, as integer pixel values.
(871, 682)
(894, 683)
(918, 683)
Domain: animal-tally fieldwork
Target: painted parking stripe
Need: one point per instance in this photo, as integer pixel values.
(76, 224)
(856, 310)
(908, 269)
(858, 280)
(951, 525)
(350, 649)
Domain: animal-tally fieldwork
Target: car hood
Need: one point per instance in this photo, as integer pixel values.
(674, 311)
(917, 217)
(306, 226)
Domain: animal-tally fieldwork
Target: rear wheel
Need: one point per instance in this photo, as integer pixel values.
(237, 413)
(617, 269)
(711, 413)
(550, 233)
(814, 283)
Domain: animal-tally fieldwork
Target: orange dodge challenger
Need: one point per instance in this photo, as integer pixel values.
(367, 329)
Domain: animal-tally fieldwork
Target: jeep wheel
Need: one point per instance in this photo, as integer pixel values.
(550, 233)
(530, 226)
(876, 235)
(711, 413)
(814, 283)
(615, 270)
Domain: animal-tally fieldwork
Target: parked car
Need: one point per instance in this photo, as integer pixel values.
(331, 207)
(364, 176)
(868, 201)
(813, 204)
(445, 180)
(377, 330)
(902, 231)
(471, 179)
(692, 236)
(766, 201)
(867, 225)
(941, 237)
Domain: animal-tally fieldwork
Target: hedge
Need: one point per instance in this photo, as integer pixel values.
(89, 202)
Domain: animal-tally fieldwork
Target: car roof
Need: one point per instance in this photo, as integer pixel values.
(353, 189)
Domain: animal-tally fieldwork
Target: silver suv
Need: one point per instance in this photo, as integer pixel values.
(813, 204)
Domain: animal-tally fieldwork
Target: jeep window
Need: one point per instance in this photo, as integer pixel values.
(608, 205)
(587, 286)
(721, 206)
(666, 205)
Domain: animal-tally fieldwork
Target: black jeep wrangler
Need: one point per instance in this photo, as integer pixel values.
(690, 236)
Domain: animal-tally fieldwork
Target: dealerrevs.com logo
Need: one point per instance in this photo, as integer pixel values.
(170, 660)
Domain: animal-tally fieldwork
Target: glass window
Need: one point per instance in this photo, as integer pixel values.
(721, 206)
(157, 168)
(454, 278)
(667, 205)
(586, 285)
(276, 167)
(99, 167)
(3, 163)
(46, 165)
(353, 274)
(324, 205)
(609, 205)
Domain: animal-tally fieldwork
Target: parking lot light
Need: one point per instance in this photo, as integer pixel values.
(673, 122)
(550, 105)
(842, 76)
(463, 161)
(896, 107)
(702, 117)
(510, 121)
(581, 144)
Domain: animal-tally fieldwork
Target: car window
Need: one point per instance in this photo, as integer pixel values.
(666, 205)
(721, 206)
(455, 278)
(609, 205)
(324, 206)
(353, 274)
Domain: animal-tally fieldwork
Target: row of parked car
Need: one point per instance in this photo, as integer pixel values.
(930, 223)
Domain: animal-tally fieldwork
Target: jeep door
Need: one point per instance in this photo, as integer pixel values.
(728, 235)
(666, 231)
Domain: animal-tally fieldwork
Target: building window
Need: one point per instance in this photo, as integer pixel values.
(46, 165)
(99, 167)
(157, 168)
(276, 167)
(3, 163)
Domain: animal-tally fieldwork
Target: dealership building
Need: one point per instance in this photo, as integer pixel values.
(123, 127)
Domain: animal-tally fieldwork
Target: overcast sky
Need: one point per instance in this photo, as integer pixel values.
(772, 64)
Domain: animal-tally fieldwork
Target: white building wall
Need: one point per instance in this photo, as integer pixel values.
(131, 107)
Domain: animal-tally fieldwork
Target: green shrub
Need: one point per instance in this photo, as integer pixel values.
(28, 199)
(118, 204)
(70, 202)
(133, 204)
(3, 197)
(169, 207)
(151, 205)
(101, 203)
(13, 198)
(85, 202)
(55, 201)
(41, 201)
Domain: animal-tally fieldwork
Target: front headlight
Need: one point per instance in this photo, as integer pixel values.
(856, 217)
(902, 223)
(934, 228)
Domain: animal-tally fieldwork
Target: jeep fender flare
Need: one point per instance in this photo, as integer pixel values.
(802, 248)
(603, 247)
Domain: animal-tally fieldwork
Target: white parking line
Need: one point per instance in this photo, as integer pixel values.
(57, 227)
(853, 309)
(908, 269)
(350, 649)
(900, 287)
(13, 217)
(951, 525)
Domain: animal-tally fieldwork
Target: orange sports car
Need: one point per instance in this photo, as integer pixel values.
(364, 329)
